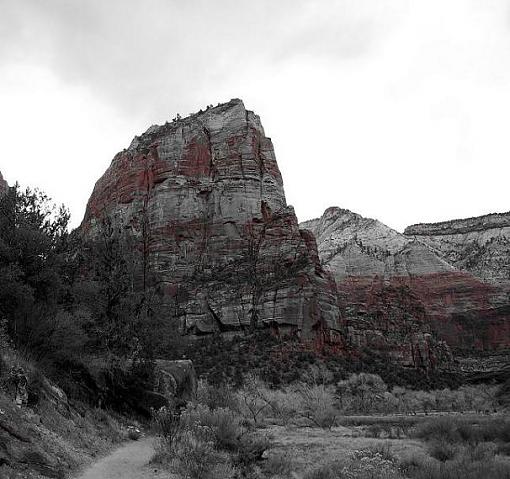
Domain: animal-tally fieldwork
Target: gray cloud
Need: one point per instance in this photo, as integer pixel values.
(142, 56)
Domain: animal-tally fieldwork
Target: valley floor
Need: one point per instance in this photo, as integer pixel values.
(308, 447)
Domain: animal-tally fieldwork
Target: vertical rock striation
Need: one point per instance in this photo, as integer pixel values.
(205, 197)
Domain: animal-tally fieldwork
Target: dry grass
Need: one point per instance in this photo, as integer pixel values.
(313, 445)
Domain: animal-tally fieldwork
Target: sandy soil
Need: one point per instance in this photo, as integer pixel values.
(130, 461)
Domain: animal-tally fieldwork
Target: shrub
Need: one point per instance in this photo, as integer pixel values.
(381, 449)
(169, 426)
(133, 433)
(461, 430)
(318, 405)
(257, 402)
(252, 399)
(279, 465)
(459, 469)
(223, 425)
(322, 472)
(362, 464)
(484, 451)
(217, 396)
(442, 450)
(374, 430)
(196, 458)
(440, 429)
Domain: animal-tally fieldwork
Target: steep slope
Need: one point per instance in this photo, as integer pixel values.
(480, 245)
(203, 197)
(396, 290)
(45, 434)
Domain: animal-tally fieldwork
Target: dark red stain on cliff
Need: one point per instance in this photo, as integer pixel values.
(196, 160)
(457, 307)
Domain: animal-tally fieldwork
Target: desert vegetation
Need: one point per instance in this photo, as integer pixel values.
(262, 432)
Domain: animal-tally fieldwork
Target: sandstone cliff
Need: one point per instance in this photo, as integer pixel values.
(479, 245)
(204, 197)
(399, 293)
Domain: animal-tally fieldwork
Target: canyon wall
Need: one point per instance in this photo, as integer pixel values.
(400, 293)
(480, 245)
(203, 198)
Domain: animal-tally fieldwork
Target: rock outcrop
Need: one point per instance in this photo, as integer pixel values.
(176, 380)
(203, 198)
(3, 185)
(401, 294)
(480, 245)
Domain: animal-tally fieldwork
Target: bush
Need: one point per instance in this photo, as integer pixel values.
(134, 433)
(317, 404)
(463, 430)
(458, 469)
(322, 472)
(196, 458)
(223, 425)
(217, 396)
(279, 465)
(442, 450)
(362, 464)
(484, 451)
(169, 426)
(444, 429)
(204, 442)
(257, 402)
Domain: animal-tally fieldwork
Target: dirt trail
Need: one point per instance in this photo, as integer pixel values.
(127, 462)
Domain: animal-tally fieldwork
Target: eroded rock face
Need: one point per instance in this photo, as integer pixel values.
(399, 293)
(480, 246)
(3, 185)
(204, 196)
(351, 245)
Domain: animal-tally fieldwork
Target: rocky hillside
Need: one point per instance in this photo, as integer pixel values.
(396, 289)
(480, 246)
(203, 199)
(43, 434)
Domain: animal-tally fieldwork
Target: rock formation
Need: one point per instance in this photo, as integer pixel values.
(401, 294)
(351, 245)
(203, 197)
(3, 185)
(480, 246)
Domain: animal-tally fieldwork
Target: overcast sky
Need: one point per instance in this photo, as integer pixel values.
(398, 110)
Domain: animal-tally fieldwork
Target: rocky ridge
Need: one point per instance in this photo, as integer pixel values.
(479, 245)
(401, 294)
(204, 199)
(351, 245)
